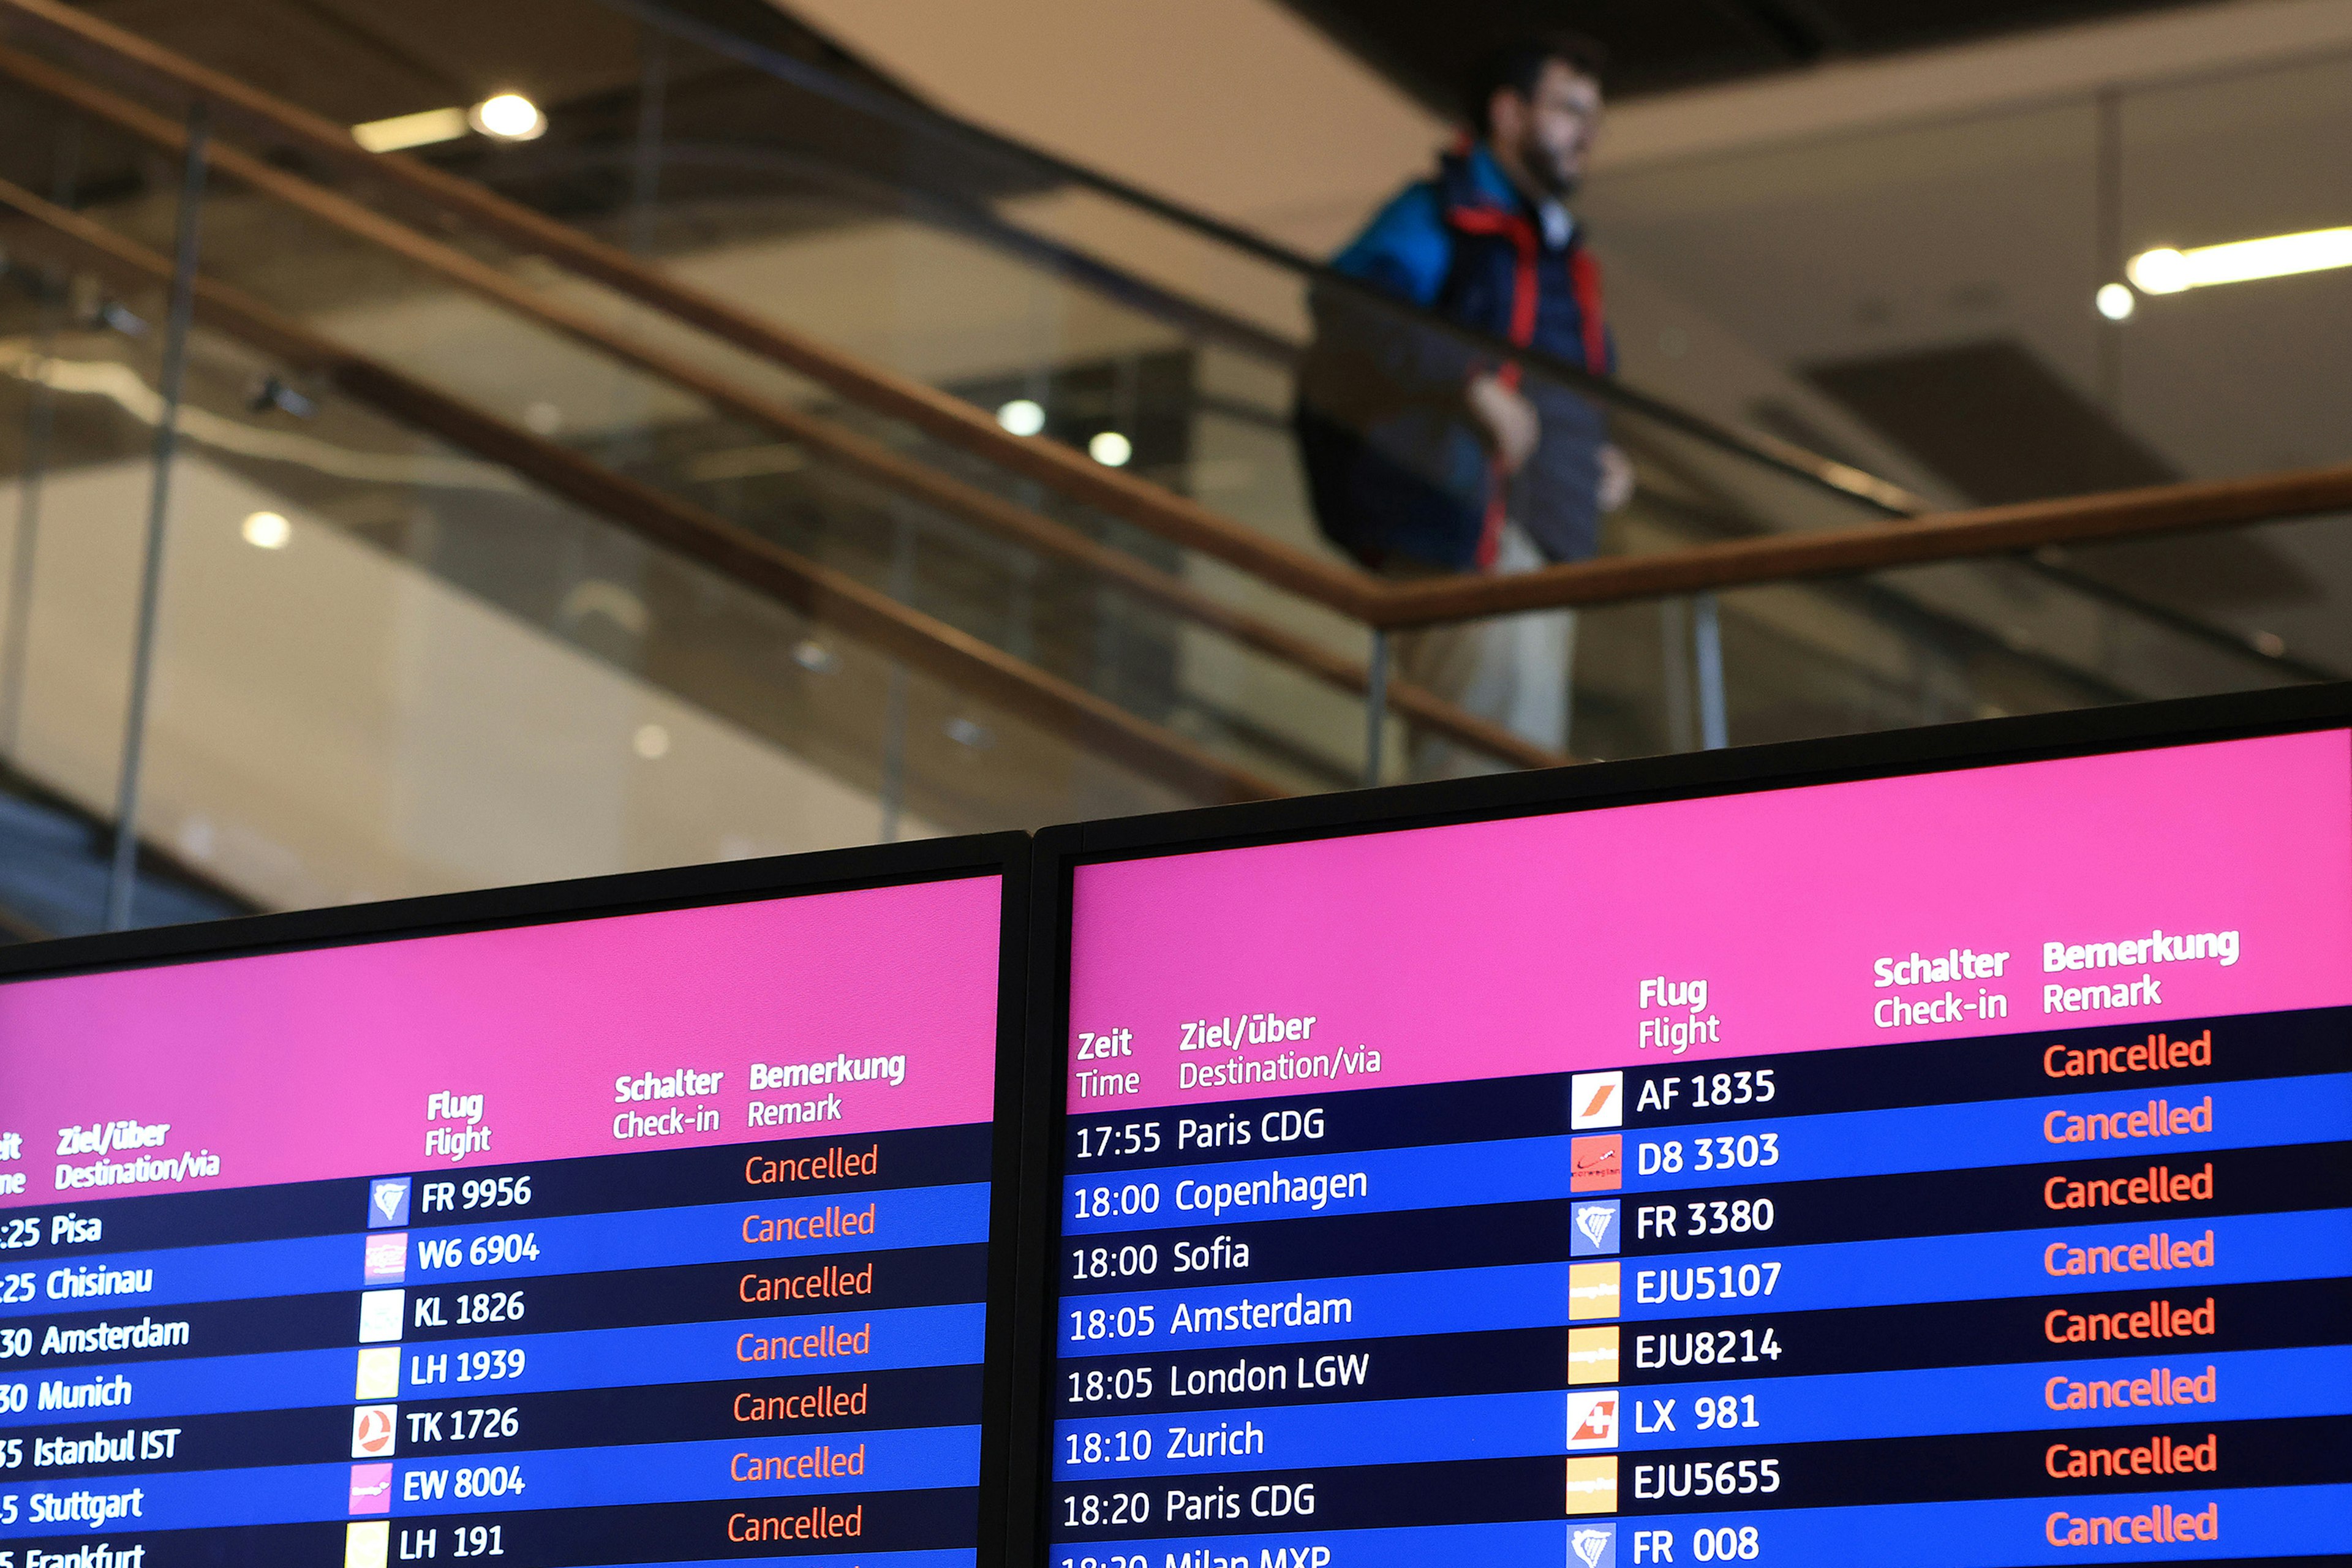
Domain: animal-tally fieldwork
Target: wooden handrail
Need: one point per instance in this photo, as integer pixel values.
(1873, 547)
(937, 414)
(1391, 605)
(861, 454)
(819, 592)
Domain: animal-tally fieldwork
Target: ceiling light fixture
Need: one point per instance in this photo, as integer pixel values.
(2168, 271)
(403, 132)
(267, 530)
(1111, 449)
(2117, 302)
(509, 117)
(1022, 416)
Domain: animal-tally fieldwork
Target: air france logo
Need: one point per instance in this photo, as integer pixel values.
(1594, 1228)
(1596, 1099)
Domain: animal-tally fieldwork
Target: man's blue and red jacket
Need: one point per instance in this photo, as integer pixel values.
(1394, 466)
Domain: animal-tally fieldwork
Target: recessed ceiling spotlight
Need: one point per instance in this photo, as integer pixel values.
(1111, 449)
(267, 530)
(2117, 302)
(1022, 416)
(509, 117)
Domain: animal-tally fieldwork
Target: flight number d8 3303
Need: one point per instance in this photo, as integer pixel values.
(1742, 1152)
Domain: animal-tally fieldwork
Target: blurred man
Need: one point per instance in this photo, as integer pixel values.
(1425, 456)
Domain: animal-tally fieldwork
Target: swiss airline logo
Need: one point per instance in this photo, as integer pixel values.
(1596, 1099)
(1596, 1164)
(374, 1430)
(1591, 1418)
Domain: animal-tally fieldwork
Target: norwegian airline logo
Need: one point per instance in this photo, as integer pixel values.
(1596, 1164)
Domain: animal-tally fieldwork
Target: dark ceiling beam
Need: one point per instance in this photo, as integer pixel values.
(1798, 30)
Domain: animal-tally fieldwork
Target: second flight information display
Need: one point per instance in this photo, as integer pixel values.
(1949, 1170)
(658, 1238)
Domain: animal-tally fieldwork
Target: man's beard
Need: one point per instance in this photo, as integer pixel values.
(1543, 166)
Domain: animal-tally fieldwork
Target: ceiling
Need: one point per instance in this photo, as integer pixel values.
(1657, 45)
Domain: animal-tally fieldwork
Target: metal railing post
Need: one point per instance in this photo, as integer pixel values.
(41, 427)
(1376, 705)
(121, 877)
(1706, 649)
(894, 719)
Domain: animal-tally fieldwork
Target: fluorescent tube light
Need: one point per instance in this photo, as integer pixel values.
(2168, 271)
(405, 131)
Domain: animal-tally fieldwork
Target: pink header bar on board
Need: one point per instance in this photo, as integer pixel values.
(1924, 907)
(861, 1012)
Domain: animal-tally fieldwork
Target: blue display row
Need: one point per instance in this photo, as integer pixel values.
(916, 1459)
(497, 1368)
(2258, 1114)
(962, 1558)
(2182, 1389)
(2281, 1521)
(2227, 1250)
(511, 1249)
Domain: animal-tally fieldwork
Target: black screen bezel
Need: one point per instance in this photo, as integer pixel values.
(1005, 856)
(1058, 851)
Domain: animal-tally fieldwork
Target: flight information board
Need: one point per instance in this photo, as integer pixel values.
(657, 1238)
(1948, 1170)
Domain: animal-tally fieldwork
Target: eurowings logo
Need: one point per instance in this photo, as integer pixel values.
(371, 1488)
